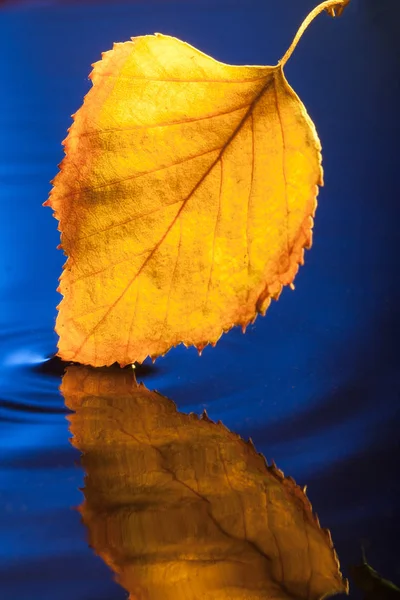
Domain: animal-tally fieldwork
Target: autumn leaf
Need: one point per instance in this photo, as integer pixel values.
(183, 509)
(185, 200)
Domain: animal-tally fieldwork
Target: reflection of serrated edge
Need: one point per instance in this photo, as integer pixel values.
(272, 469)
(287, 481)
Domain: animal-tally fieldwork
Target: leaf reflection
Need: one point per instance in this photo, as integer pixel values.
(183, 509)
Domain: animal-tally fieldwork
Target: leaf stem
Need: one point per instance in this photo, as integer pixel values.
(329, 6)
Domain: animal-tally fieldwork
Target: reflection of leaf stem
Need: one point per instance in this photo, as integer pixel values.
(364, 559)
(330, 6)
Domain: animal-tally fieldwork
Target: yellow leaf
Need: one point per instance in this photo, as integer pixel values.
(183, 509)
(185, 200)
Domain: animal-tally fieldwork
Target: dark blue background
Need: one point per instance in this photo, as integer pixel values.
(315, 382)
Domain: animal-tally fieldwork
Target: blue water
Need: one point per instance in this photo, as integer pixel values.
(315, 383)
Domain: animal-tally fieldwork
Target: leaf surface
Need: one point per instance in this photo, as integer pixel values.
(183, 509)
(185, 200)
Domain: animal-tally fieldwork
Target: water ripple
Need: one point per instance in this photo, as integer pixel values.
(25, 396)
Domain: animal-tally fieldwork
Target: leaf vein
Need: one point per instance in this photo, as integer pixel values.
(137, 176)
(110, 266)
(165, 124)
(250, 194)
(130, 220)
(178, 80)
(283, 171)
(174, 220)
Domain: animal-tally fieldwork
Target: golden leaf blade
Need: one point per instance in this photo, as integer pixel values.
(185, 200)
(183, 509)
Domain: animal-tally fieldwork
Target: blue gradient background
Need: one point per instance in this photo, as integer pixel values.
(315, 382)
